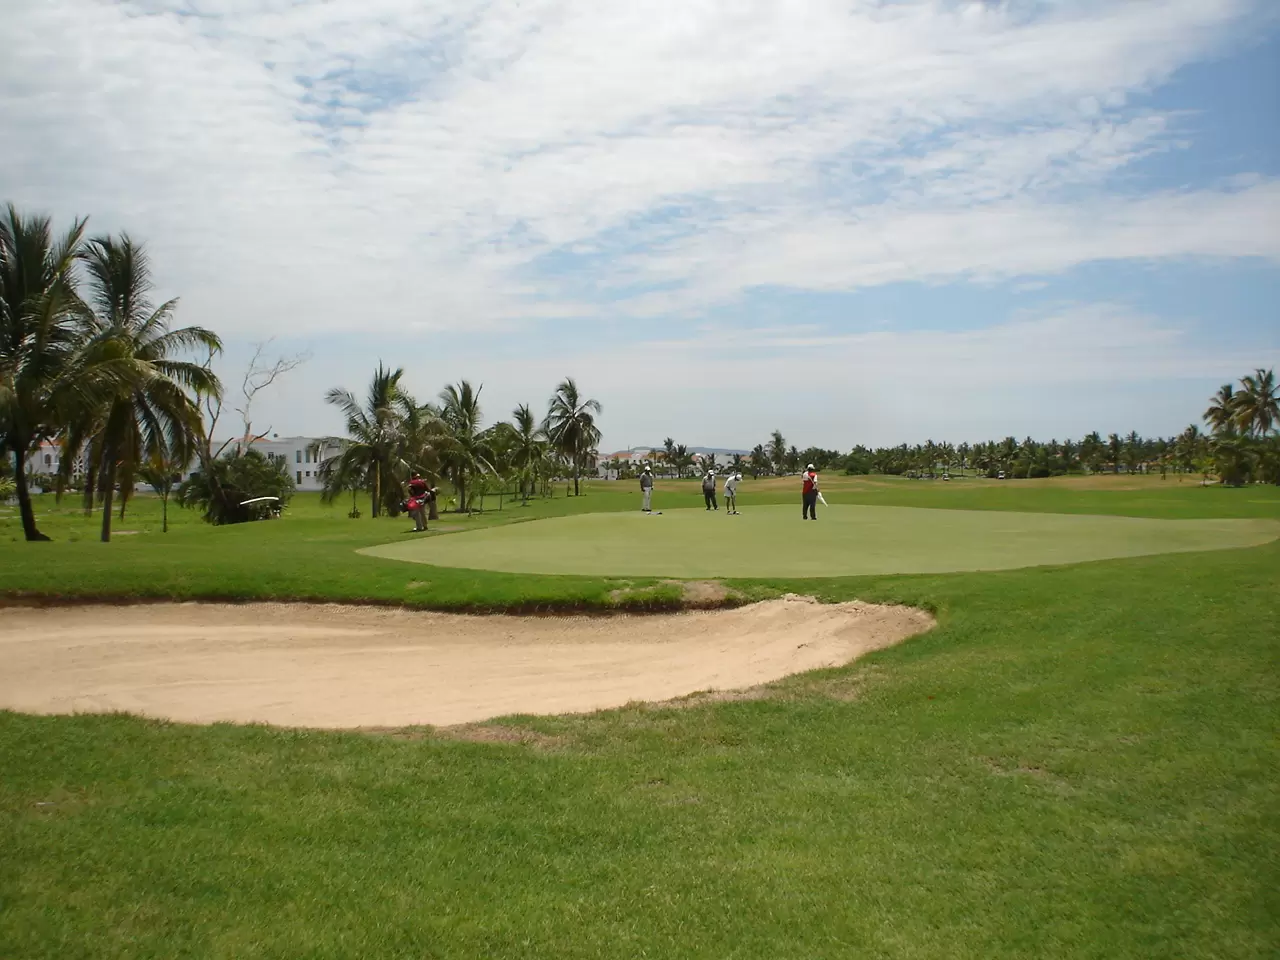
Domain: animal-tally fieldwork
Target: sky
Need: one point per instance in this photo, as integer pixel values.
(865, 221)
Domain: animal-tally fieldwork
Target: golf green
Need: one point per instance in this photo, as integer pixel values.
(773, 541)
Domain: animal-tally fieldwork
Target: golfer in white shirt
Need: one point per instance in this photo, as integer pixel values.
(731, 493)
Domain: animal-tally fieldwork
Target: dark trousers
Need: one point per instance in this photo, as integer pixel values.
(810, 505)
(710, 497)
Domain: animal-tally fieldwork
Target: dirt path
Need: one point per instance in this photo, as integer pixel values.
(336, 666)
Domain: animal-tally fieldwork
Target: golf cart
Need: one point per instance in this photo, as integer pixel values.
(262, 508)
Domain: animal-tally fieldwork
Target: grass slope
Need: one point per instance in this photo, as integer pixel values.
(1080, 762)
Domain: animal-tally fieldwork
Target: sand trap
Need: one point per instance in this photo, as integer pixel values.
(335, 666)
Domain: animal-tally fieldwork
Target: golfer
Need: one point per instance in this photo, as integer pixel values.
(418, 502)
(810, 493)
(646, 490)
(709, 490)
(731, 493)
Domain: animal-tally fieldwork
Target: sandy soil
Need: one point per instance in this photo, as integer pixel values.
(336, 666)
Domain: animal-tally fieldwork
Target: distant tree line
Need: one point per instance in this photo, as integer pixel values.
(1242, 445)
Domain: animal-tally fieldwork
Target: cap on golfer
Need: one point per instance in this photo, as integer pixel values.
(809, 467)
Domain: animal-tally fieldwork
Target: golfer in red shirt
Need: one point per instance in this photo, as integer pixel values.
(810, 494)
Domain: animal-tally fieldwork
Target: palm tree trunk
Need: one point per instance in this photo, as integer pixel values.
(108, 491)
(164, 513)
(576, 468)
(24, 495)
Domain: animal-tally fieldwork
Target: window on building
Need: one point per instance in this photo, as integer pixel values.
(299, 476)
(297, 456)
(47, 460)
(308, 473)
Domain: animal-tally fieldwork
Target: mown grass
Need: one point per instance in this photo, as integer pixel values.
(310, 553)
(1078, 762)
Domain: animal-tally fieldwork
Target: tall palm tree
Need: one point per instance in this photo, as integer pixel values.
(1258, 403)
(759, 460)
(1222, 411)
(571, 426)
(39, 335)
(372, 453)
(528, 447)
(669, 450)
(778, 452)
(151, 410)
(466, 452)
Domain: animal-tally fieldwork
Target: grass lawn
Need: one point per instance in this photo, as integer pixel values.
(1080, 761)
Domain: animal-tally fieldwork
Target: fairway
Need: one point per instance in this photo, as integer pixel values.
(773, 541)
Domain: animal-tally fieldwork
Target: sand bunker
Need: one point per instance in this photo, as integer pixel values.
(335, 666)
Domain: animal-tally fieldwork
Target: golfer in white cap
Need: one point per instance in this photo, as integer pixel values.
(731, 493)
(646, 490)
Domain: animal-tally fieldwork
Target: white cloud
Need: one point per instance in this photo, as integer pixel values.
(1061, 372)
(376, 164)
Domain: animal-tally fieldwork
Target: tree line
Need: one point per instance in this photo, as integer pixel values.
(390, 436)
(1242, 445)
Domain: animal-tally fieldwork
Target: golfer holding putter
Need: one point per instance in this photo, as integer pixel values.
(646, 490)
(731, 493)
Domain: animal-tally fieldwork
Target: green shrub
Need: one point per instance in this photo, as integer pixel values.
(220, 490)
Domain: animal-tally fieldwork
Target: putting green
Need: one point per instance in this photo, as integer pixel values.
(773, 541)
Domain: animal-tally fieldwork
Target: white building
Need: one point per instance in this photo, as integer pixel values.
(45, 458)
(297, 454)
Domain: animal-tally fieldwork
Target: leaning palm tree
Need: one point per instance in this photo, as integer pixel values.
(1258, 403)
(571, 426)
(371, 455)
(150, 410)
(1222, 411)
(39, 335)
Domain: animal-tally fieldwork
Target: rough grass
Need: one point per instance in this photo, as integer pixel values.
(1078, 762)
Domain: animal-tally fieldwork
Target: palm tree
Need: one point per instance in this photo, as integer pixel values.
(759, 460)
(1008, 449)
(371, 455)
(792, 461)
(466, 452)
(162, 474)
(571, 426)
(38, 340)
(1258, 403)
(1115, 449)
(528, 448)
(681, 459)
(778, 452)
(1222, 411)
(150, 411)
(669, 451)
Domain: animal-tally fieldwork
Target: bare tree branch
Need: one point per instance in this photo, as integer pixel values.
(261, 374)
